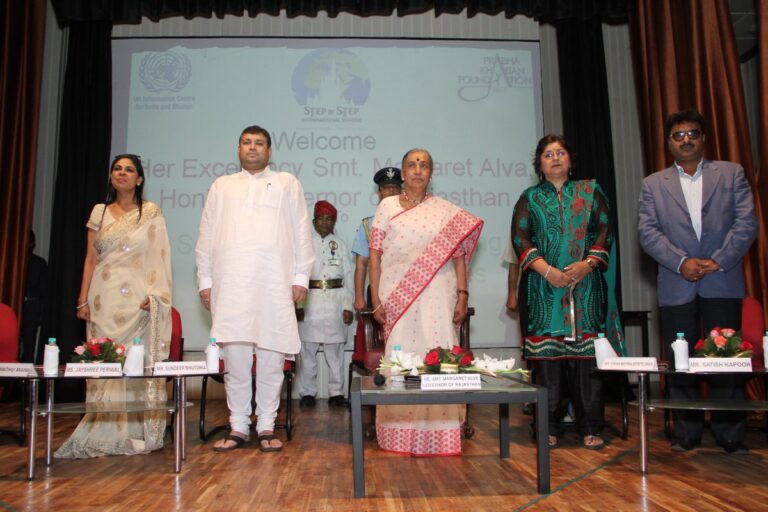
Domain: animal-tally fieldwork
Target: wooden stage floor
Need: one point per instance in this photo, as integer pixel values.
(314, 473)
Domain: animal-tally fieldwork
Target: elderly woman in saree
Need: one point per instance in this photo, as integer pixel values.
(125, 294)
(562, 234)
(421, 248)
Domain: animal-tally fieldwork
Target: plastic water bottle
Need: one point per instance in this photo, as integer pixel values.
(51, 358)
(212, 356)
(765, 347)
(134, 360)
(396, 351)
(680, 349)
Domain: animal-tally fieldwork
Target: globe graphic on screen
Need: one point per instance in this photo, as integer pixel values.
(331, 76)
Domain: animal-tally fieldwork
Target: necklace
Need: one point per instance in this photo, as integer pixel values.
(412, 201)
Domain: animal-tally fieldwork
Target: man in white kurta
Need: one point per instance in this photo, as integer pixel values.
(327, 311)
(254, 255)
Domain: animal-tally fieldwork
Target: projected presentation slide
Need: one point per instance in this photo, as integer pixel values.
(338, 110)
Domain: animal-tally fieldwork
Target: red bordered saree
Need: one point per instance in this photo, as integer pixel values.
(418, 291)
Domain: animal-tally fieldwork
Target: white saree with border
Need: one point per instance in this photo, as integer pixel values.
(418, 291)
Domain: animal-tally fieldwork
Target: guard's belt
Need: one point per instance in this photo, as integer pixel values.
(325, 284)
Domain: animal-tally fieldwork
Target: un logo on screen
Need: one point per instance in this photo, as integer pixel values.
(165, 71)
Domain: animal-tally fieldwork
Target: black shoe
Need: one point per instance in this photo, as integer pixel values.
(685, 445)
(307, 401)
(734, 447)
(337, 400)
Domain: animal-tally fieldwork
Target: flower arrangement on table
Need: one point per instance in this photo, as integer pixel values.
(443, 360)
(723, 342)
(99, 349)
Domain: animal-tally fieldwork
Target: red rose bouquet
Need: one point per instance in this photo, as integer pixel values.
(445, 360)
(723, 342)
(99, 349)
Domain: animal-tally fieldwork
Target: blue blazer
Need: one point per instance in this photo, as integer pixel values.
(728, 227)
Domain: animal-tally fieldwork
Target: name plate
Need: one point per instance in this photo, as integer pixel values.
(719, 364)
(442, 382)
(631, 364)
(93, 370)
(180, 367)
(17, 369)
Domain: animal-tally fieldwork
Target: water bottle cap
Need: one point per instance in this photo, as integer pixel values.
(680, 334)
(51, 341)
(137, 341)
(601, 335)
(212, 340)
(396, 347)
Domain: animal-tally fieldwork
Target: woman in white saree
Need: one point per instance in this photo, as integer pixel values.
(125, 294)
(421, 248)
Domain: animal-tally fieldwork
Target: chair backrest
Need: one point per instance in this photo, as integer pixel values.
(9, 335)
(752, 328)
(177, 340)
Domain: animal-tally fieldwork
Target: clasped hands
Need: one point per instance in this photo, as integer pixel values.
(693, 269)
(569, 276)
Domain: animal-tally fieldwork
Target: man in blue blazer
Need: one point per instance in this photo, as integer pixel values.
(697, 220)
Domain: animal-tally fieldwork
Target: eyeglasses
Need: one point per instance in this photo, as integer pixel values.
(561, 153)
(692, 134)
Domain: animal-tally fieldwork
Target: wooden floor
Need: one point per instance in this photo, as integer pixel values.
(314, 473)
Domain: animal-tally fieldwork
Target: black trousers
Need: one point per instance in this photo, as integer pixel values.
(696, 319)
(572, 380)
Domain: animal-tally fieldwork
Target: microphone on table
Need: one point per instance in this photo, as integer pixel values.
(379, 379)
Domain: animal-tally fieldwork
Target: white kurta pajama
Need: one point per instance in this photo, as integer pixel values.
(254, 244)
(323, 323)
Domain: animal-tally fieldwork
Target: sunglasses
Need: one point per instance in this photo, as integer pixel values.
(692, 135)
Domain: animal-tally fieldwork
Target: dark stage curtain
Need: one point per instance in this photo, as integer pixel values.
(128, 11)
(21, 63)
(81, 179)
(586, 112)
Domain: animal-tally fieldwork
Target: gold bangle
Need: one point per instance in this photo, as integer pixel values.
(460, 291)
(81, 306)
(591, 262)
(375, 309)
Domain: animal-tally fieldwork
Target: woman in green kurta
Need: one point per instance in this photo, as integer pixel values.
(562, 233)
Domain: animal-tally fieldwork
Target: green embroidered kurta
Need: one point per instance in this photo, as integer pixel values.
(562, 228)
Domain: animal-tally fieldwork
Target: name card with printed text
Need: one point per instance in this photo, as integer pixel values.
(17, 370)
(630, 364)
(719, 364)
(180, 368)
(443, 382)
(93, 370)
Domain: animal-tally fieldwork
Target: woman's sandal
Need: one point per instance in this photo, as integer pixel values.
(239, 441)
(593, 443)
(268, 447)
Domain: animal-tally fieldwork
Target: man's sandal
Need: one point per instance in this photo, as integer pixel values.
(239, 442)
(268, 447)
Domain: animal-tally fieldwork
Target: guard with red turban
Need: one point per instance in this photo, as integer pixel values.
(327, 311)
